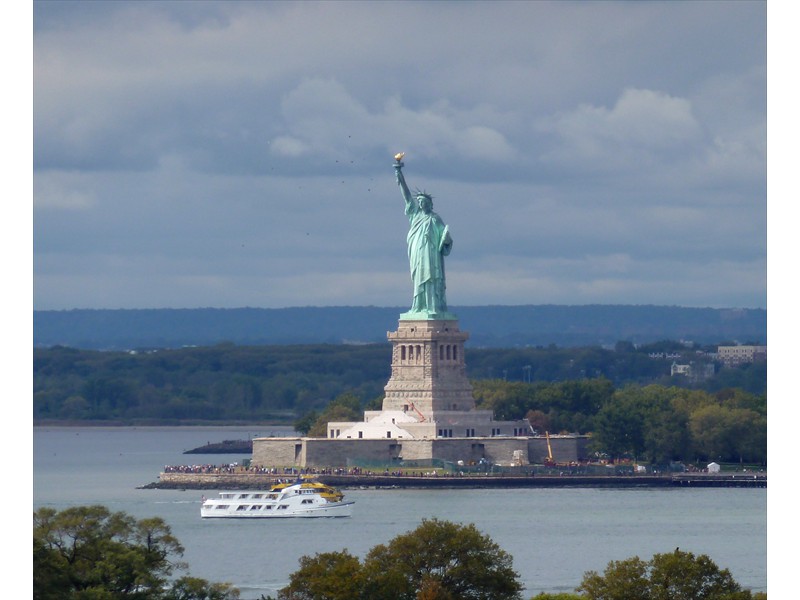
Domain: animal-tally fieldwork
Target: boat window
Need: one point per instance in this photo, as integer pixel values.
(283, 506)
(243, 496)
(258, 495)
(221, 506)
(255, 507)
(242, 507)
(272, 496)
(307, 501)
(268, 507)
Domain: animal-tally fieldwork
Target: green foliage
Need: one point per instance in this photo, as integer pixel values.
(560, 596)
(88, 552)
(228, 382)
(724, 433)
(652, 423)
(329, 575)
(674, 576)
(749, 377)
(646, 422)
(439, 560)
(463, 561)
(222, 382)
(193, 588)
(346, 407)
(564, 406)
(649, 421)
(553, 364)
(619, 429)
(306, 422)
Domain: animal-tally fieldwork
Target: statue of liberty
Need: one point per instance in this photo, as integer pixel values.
(429, 242)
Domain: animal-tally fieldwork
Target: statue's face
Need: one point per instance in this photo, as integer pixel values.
(424, 204)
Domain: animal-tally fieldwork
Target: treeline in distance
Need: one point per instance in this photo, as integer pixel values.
(625, 396)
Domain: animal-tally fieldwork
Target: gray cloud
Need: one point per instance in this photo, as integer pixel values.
(229, 154)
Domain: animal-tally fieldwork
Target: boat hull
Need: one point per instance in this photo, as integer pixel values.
(303, 499)
(333, 510)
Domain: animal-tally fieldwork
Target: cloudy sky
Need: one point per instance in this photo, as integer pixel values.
(223, 154)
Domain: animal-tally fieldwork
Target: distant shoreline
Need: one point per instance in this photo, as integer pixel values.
(205, 424)
(494, 326)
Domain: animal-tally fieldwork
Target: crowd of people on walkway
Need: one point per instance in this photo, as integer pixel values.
(229, 468)
(236, 468)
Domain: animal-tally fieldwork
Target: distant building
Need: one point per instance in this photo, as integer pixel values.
(685, 370)
(695, 372)
(732, 356)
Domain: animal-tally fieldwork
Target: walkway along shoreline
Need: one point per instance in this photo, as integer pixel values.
(249, 480)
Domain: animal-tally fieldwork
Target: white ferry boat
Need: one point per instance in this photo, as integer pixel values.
(299, 499)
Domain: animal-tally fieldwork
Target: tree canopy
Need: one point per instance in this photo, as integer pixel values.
(675, 575)
(346, 407)
(90, 553)
(622, 397)
(439, 560)
(229, 383)
(651, 423)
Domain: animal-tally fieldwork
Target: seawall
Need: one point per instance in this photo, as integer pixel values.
(245, 480)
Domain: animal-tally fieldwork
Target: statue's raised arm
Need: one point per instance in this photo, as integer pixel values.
(401, 180)
(429, 241)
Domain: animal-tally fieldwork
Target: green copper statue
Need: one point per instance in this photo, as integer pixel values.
(429, 242)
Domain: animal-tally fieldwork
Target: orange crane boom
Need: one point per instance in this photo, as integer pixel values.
(416, 410)
(549, 461)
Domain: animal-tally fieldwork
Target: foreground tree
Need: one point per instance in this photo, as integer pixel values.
(194, 588)
(90, 552)
(463, 561)
(437, 561)
(677, 575)
(329, 575)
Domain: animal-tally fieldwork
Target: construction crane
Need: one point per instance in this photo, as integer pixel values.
(415, 409)
(549, 461)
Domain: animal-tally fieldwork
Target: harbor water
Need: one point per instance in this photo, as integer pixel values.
(554, 535)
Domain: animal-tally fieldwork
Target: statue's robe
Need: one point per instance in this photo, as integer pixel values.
(429, 242)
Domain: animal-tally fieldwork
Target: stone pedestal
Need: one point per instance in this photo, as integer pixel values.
(428, 370)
